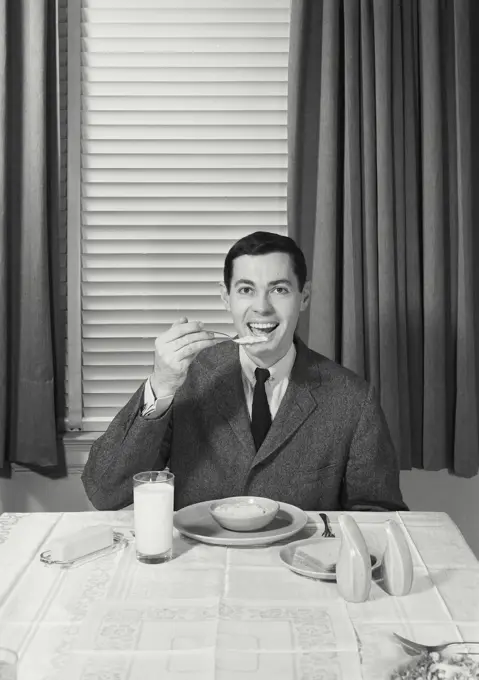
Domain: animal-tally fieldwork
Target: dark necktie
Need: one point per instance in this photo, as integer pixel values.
(260, 415)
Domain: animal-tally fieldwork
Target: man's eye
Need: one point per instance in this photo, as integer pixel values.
(281, 290)
(244, 290)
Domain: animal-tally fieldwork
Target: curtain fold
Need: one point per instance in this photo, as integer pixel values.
(380, 193)
(29, 205)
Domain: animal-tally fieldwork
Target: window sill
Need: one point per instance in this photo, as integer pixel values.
(77, 448)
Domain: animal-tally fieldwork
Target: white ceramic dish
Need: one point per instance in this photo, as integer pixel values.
(267, 509)
(317, 557)
(195, 521)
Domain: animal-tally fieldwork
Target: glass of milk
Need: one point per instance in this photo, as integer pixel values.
(8, 664)
(153, 511)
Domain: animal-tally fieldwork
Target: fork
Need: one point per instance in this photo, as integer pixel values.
(417, 647)
(327, 533)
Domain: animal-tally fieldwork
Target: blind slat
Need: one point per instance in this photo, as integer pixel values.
(147, 274)
(152, 74)
(125, 303)
(238, 114)
(126, 190)
(204, 219)
(158, 88)
(120, 318)
(192, 176)
(111, 373)
(152, 97)
(183, 288)
(179, 261)
(106, 389)
(221, 30)
(179, 239)
(190, 60)
(115, 359)
(197, 205)
(207, 147)
(165, 16)
(189, 4)
(185, 44)
(184, 132)
(172, 161)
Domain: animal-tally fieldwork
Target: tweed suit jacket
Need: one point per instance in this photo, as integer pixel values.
(328, 446)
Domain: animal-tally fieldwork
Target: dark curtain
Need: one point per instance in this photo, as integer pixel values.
(28, 229)
(383, 197)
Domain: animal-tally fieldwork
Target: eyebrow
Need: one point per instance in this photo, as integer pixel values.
(271, 283)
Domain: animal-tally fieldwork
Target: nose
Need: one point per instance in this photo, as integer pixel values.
(262, 304)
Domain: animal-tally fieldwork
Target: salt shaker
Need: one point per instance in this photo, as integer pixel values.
(397, 561)
(353, 568)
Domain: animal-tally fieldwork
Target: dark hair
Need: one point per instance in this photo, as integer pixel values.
(262, 243)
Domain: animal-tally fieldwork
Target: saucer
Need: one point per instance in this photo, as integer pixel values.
(317, 557)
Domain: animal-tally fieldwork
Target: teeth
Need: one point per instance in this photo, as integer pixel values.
(263, 325)
(261, 329)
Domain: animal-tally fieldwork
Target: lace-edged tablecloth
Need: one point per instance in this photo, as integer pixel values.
(216, 613)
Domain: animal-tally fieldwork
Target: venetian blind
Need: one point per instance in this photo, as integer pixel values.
(183, 151)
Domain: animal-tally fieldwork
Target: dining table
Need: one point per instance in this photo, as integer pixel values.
(224, 613)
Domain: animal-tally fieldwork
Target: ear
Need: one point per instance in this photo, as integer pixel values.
(305, 296)
(225, 296)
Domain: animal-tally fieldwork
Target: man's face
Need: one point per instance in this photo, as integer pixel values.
(264, 299)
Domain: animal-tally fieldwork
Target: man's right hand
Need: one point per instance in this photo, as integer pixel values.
(174, 351)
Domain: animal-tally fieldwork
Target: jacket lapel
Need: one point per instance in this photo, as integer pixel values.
(229, 397)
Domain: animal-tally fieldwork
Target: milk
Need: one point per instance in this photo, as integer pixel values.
(153, 510)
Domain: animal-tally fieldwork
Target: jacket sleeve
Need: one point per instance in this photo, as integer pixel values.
(131, 444)
(371, 480)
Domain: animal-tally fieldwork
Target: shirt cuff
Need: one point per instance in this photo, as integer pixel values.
(152, 407)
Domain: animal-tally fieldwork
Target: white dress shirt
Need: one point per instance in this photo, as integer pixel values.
(275, 386)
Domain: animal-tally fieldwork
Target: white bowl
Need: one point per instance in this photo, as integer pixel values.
(252, 522)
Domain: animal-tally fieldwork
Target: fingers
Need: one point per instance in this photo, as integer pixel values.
(181, 328)
(181, 320)
(184, 340)
(193, 348)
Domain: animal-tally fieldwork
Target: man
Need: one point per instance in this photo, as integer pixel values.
(306, 431)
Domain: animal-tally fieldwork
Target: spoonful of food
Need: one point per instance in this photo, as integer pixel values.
(245, 340)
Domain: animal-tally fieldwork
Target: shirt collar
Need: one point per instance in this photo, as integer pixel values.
(279, 371)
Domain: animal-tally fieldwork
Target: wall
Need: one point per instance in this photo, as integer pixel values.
(443, 492)
(439, 491)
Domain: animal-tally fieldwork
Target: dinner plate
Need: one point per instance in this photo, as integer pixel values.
(195, 521)
(312, 556)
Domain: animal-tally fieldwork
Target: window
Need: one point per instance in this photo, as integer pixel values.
(177, 147)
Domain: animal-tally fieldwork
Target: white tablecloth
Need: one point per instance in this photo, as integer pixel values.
(222, 613)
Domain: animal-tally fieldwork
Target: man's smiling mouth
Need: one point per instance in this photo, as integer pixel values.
(263, 328)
